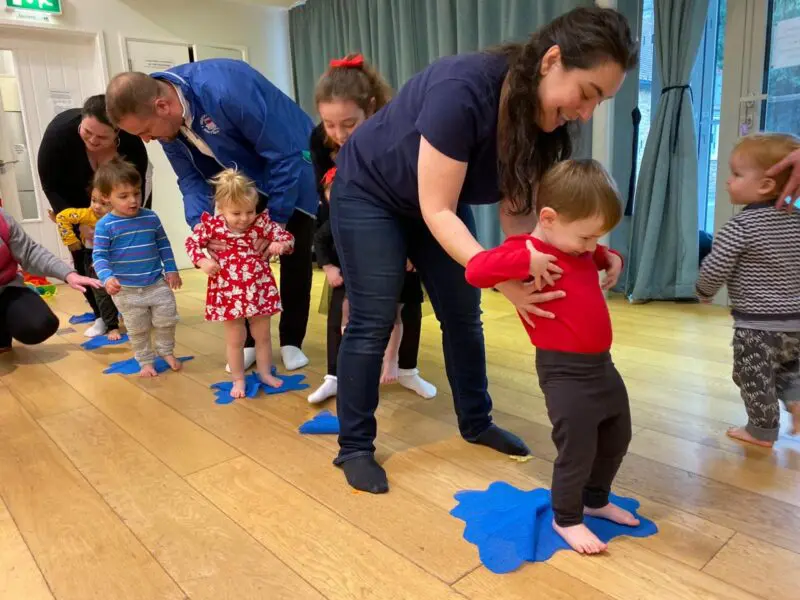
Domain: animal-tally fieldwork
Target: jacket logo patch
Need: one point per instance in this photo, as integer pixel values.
(208, 125)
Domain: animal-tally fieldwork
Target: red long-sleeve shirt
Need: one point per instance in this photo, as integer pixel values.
(582, 323)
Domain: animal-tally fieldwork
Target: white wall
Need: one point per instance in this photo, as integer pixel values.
(264, 30)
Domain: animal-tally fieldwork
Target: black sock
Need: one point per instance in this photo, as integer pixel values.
(502, 441)
(364, 474)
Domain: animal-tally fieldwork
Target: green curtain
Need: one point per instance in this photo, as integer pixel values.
(401, 37)
(664, 243)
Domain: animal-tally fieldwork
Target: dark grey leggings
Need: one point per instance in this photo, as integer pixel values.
(588, 406)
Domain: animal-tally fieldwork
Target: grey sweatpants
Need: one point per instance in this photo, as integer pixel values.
(145, 309)
(766, 367)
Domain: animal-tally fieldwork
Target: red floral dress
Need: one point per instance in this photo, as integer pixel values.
(244, 286)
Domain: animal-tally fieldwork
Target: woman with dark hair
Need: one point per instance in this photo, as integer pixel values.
(347, 94)
(471, 129)
(74, 144)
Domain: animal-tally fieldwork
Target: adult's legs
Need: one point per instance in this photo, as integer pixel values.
(371, 243)
(25, 317)
(457, 306)
(296, 273)
(787, 378)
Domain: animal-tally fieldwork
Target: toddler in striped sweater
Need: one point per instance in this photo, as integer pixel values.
(756, 254)
(134, 261)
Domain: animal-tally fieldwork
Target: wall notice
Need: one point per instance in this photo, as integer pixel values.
(786, 44)
(61, 100)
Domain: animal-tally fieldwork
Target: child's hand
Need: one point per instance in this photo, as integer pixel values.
(613, 272)
(542, 267)
(334, 275)
(278, 248)
(215, 247)
(80, 282)
(112, 286)
(209, 267)
(74, 247)
(52, 215)
(704, 300)
(174, 280)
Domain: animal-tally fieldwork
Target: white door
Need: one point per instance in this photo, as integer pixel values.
(53, 71)
(148, 57)
(202, 52)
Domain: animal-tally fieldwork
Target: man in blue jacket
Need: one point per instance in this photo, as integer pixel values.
(221, 113)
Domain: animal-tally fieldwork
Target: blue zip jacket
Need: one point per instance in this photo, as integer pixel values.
(249, 124)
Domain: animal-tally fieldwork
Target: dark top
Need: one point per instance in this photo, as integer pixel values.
(454, 104)
(322, 159)
(64, 167)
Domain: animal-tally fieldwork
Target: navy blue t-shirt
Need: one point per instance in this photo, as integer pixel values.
(454, 104)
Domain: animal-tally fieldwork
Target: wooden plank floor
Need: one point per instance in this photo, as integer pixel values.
(114, 487)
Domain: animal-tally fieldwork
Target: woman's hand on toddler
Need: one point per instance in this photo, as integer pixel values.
(112, 286)
(334, 275)
(209, 267)
(80, 282)
(216, 246)
(613, 272)
(278, 248)
(174, 280)
(74, 247)
(542, 267)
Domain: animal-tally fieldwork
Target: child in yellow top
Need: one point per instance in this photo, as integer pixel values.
(105, 312)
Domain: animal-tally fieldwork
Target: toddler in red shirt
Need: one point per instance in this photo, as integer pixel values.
(577, 203)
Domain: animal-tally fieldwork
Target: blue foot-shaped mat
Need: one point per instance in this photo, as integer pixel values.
(322, 423)
(131, 366)
(102, 340)
(87, 317)
(253, 385)
(511, 526)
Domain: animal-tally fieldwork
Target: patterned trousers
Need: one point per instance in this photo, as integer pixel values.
(145, 310)
(766, 366)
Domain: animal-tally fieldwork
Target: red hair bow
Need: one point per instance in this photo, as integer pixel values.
(354, 62)
(328, 178)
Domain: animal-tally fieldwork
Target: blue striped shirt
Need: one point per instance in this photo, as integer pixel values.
(135, 250)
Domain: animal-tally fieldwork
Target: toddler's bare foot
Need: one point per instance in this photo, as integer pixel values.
(114, 335)
(238, 390)
(740, 433)
(391, 372)
(173, 363)
(794, 410)
(270, 380)
(612, 512)
(580, 539)
(148, 371)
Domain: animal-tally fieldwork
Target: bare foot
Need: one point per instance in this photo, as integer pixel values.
(391, 372)
(238, 390)
(270, 380)
(114, 335)
(148, 371)
(740, 433)
(580, 539)
(173, 363)
(794, 410)
(612, 512)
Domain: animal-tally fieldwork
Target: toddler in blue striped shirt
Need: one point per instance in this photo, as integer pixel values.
(134, 261)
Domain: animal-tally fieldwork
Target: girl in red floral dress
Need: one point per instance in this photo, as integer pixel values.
(240, 281)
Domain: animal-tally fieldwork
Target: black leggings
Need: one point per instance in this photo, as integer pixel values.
(411, 315)
(79, 262)
(588, 406)
(296, 271)
(25, 317)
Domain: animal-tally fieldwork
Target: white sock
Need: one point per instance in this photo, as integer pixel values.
(410, 379)
(327, 390)
(249, 359)
(98, 328)
(293, 358)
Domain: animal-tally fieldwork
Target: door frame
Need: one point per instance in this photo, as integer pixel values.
(124, 39)
(14, 30)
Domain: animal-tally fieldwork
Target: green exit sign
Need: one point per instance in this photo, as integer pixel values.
(50, 7)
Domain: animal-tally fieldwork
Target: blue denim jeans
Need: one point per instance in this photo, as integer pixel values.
(373, 242)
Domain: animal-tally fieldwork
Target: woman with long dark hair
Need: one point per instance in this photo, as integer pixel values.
(470, 129)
